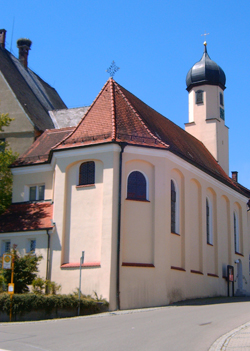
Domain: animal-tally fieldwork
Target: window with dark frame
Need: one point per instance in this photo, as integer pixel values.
(32, 245)
(208, 221)
(5, 247)
(221, 99)
(199, 97)
(137, 186)
(87, 173)
(236, 233)
(173, 207)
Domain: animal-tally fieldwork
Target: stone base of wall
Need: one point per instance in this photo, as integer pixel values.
(41, 315)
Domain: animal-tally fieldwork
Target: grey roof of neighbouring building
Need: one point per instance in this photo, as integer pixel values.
(68, 117)
(36, 97)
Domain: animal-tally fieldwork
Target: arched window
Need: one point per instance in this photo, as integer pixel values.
(199, 97)
(173, 207)
(236, 233)
(87, 173)
(209, 222)
(137, 186)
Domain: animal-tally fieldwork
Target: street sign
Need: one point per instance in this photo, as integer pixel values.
(11, 288)
(7, 259)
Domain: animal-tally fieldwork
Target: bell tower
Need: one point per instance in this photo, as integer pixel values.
(205, 85)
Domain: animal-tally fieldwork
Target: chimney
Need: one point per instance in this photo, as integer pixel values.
(235, 176)
(24, 45)
(2, 38)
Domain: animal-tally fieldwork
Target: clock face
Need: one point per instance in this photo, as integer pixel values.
(222, 113)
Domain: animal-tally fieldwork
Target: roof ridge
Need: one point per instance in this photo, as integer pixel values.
(83, 118)
(26, 110)
(138, 116)
(113, 117)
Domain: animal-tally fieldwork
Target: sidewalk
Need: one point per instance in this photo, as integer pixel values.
(237, 339)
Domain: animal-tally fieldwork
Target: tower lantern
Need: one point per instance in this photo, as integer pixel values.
(206, 84)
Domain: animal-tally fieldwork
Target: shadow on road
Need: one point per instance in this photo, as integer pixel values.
(212, 301)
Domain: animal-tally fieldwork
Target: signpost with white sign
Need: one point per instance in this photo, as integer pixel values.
(8, 263)
(7, 259)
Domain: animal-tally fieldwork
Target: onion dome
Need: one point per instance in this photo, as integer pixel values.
(205, 71)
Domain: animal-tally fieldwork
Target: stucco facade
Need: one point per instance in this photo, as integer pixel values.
(156, 266)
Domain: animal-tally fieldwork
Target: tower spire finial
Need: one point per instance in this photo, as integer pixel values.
(112, 69)
(205, 42)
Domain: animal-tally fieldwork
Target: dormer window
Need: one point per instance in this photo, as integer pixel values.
(221, 99)
(199, 97)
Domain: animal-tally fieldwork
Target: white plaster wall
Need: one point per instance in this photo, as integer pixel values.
(86, 220)
(25, 177)
(163, 283)
(21, 239)
(206, 125)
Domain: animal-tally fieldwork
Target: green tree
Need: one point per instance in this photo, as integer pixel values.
(7, 157)
(25, 271)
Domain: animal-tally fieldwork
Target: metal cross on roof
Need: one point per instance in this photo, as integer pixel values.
(205, 34)
(112, 69)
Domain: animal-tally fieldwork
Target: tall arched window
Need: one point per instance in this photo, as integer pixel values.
(209, 222)
(173, 207)
(236, 233)
(137, 186)
(175, 227)
(87, 173)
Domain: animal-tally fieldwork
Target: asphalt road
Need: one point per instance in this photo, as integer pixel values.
(188, 327)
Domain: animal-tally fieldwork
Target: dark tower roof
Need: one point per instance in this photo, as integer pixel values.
(205, 71)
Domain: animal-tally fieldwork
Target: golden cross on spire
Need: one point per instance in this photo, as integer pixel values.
(205, 34)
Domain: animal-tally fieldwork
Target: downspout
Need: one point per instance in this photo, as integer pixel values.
(48, 259)
(122, 145)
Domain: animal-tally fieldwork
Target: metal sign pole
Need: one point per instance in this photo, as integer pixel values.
(11, 291)
(80, 281)
(8, 263)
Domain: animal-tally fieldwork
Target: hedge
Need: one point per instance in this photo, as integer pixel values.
(25, 303)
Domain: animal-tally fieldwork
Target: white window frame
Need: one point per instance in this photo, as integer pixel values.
(3, 246)
(29, 245)
(27, 191)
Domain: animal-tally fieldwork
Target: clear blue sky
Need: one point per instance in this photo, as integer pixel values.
(154, 42)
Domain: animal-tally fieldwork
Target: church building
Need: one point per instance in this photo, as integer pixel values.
(151, 205)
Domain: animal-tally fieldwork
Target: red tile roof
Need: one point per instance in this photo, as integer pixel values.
(116, 115)
(27, 216)
(40, 149)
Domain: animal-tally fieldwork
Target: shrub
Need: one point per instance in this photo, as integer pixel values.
(38, 285)
(23, 303)
(2, 284)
